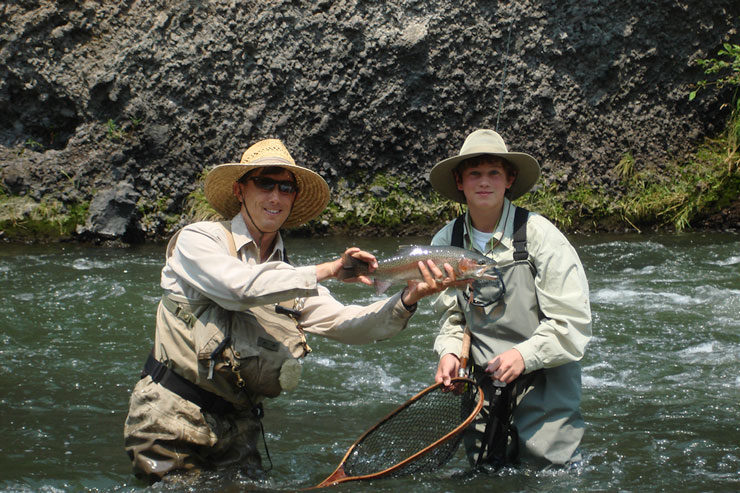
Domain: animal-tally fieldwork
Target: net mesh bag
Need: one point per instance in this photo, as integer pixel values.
(420, 436)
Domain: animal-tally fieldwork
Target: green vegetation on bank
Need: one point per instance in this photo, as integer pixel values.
(387, 205)
(22, 218)
(674, 195)
(156, 215)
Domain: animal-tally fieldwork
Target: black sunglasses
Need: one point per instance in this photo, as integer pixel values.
(268, 184)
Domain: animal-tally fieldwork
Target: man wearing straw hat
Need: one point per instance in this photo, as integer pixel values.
(530, 328)
(231, 323)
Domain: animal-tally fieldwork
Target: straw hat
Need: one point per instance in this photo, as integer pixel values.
(479, 143)
(313, 191)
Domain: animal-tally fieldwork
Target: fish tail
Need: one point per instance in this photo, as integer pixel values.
(381, 286)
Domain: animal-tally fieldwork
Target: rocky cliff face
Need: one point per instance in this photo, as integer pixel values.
(126, 103)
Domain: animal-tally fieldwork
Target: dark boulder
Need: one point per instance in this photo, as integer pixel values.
(112, 214)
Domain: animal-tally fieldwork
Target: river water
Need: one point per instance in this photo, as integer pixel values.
(661, 376)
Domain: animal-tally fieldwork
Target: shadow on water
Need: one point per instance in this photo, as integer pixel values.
(660, 377)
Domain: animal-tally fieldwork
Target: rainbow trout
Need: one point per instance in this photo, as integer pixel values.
(403, 266)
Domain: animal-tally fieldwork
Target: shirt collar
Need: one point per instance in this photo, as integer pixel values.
(242, 237)
(504, 229)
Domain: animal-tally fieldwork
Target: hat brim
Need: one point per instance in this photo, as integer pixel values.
(443, 179)
(313, 191)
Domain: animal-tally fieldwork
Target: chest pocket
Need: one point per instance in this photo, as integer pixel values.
(263, 351)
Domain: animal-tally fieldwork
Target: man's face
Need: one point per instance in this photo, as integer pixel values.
(268, 205)
(484, 184)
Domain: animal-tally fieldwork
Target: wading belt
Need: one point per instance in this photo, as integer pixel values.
(186, 389)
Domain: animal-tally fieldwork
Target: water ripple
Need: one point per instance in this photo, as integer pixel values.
(660, 378)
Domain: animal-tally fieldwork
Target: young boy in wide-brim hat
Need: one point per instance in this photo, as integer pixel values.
(221, 346)
(529, 331)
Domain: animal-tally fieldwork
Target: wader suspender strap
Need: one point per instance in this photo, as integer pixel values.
(258, 411)
(520, 233)
(457, 232)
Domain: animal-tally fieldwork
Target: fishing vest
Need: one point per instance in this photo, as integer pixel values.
(240, 356)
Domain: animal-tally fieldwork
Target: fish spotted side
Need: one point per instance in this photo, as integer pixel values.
(403, 266)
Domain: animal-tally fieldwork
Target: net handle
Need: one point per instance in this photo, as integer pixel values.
(464, 354)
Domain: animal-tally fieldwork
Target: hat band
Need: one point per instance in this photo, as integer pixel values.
(484, 149)
(269, 161)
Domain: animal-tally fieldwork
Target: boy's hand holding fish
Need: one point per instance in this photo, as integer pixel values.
(433, 282)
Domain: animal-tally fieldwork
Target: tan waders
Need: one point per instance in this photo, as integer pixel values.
(165, 432)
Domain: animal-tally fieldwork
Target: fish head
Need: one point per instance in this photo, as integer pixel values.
(476, 268)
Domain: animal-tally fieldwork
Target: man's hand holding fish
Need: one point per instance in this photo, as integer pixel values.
(334, 268)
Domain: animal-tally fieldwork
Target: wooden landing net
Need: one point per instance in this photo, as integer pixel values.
(419, 436)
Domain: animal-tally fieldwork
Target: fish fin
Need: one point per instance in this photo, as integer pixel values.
(352, 267)
(409, 249)
(489, 277)
(381, 286)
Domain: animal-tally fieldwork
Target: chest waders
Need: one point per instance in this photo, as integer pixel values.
(499, 445)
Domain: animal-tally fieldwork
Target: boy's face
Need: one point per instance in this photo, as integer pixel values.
(484, 184)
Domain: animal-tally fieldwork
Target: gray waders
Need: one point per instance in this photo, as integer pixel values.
(536, 419)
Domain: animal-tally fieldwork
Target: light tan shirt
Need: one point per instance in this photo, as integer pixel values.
(561, 289)
(201, 268)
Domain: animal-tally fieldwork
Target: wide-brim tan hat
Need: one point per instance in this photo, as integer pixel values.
(313, 191)
(479, 143)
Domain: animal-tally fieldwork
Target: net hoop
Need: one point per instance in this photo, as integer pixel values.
(339, 475)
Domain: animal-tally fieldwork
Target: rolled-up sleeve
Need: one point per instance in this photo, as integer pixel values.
(323, 315)
(563, 298)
